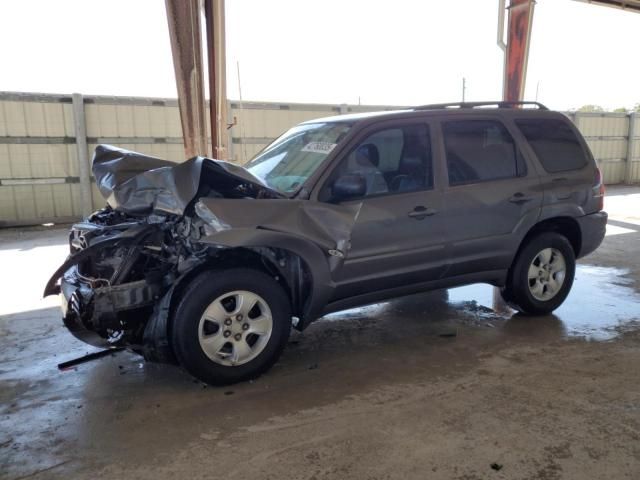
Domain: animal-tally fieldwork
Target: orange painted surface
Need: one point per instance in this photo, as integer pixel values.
(520, 14)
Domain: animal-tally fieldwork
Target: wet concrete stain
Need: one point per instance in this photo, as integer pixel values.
(104, 410)
(601, 306)
(437, 385)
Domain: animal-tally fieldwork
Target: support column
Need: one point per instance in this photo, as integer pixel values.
(631, 142)
(186, 47)
(517, 56)
(498, 304)
(216, 52)
(515, 70)
(80, 128)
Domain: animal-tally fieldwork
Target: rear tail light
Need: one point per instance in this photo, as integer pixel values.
(598, 189)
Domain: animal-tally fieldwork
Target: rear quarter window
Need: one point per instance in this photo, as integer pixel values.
(554, 143)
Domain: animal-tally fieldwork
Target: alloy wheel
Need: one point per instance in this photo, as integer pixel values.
(546, 274)
(235, 328)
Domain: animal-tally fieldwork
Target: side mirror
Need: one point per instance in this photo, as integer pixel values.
(348, 186)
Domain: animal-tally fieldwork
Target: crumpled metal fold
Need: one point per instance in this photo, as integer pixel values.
(133, 183)
(328, 226)
(139, 184)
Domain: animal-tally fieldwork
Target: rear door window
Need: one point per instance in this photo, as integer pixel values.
(554, 143)
(479, 151)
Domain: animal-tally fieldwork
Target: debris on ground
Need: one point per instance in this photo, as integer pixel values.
(448, 333)
(87, 358)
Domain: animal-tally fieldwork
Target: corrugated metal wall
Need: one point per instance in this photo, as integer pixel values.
(38, 162)
(633, 152)
(607, 135)
(40, 178)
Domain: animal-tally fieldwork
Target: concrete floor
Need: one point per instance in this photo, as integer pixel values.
(436, 386)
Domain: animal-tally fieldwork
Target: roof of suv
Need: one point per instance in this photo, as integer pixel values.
(440, 108)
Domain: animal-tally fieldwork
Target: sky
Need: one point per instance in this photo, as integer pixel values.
(404, 52)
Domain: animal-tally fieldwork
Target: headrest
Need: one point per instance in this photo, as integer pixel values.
(367, 155)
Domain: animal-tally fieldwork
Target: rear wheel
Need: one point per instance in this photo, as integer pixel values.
(230, 325)
(542, 275)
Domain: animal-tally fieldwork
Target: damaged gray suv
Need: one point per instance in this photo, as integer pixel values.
(209, 265)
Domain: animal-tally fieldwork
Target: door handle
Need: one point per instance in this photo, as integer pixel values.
(421, 212)
(520, 198)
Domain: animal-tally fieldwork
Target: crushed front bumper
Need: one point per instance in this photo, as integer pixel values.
(105, 316)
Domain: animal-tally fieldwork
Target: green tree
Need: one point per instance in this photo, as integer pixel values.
(621, 110)
(591, 108)
(636, 107)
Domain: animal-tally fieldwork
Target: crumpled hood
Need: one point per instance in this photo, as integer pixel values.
(224, 196)
(132, 182)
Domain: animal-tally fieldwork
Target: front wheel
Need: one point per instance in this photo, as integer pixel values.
(230, 325)
(542, 275)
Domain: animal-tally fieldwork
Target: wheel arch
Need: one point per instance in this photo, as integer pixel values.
(566, 226)
(516, 290)
(249, 247)
(288, 268)
(302, 267)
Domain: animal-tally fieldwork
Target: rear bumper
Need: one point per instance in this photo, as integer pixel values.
(593, 228)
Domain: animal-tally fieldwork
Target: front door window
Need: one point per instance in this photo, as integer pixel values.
(393, 160)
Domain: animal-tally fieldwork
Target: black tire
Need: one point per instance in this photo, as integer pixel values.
(198, 295)
(517, 292)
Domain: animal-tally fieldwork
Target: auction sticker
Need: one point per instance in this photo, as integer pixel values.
(319, 147)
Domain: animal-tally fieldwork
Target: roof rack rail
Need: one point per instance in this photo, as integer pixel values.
(497, 103)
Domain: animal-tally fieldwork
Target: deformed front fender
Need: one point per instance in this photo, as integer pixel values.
(319, 233)
(156, 343)
(322, 285)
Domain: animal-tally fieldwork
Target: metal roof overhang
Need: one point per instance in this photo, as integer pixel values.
(630, 5)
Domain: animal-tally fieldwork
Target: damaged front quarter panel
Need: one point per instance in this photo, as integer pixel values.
(165, 222)
(318, 233)
(315, 236)
(324, 225)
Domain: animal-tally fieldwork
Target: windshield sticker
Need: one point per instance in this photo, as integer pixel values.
(319, 147)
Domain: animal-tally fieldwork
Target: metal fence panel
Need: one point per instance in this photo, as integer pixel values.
(604, 124)
(39, 164)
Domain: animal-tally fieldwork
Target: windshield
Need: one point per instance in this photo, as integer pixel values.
(286, 163)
